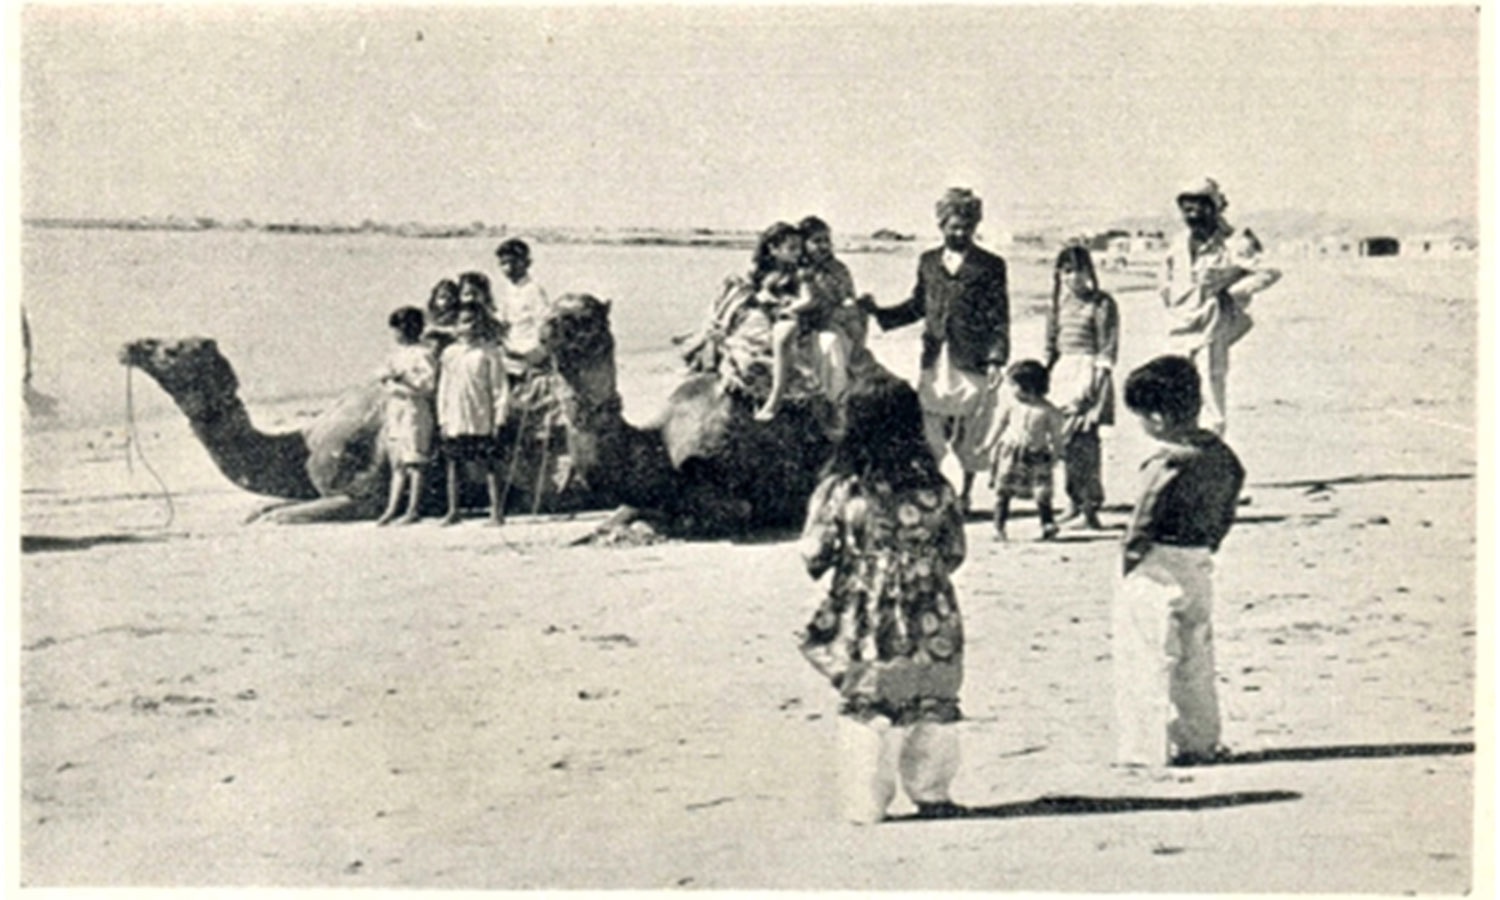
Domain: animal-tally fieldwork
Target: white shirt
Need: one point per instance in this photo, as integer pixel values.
(952, 259)
(473, 394)
(524, 306)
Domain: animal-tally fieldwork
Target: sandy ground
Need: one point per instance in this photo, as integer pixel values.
(208, 703)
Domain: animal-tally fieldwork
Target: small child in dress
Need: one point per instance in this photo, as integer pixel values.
(1025, 443)
(1166, 709)
(473, 399)
(409, 379)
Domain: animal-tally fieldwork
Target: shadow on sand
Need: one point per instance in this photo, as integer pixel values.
(1321, 483)
(1066, 805)
(43, 543)
(1336, 751)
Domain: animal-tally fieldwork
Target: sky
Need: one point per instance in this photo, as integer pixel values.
(736, 116)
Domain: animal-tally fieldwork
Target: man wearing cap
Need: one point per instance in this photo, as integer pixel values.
(961, 297)
(1208, 278)
(523, 305)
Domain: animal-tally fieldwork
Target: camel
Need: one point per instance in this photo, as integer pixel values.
(705, 468)
(335, 469)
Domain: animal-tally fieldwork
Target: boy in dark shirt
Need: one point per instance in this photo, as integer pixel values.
(1165, 705)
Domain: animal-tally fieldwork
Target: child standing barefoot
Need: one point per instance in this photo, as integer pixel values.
(1162, 637)
(409, 377)
(1025, 441)
(1083, 339)
(888, 635)
(473, 398)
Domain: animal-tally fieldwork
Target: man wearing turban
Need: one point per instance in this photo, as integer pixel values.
(961, 298)
(1208, 278)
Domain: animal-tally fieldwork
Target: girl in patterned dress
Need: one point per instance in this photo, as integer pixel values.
(409, 379)
(888, 635)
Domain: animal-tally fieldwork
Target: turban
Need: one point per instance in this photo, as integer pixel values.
(1206, 188)
(959, 202)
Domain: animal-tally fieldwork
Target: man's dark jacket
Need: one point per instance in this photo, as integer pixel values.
(970, 310)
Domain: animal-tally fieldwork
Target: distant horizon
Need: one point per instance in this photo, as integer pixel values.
(1468, 225)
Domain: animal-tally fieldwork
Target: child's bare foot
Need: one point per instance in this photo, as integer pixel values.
(408, 519)
(495, 521)
(767, 412)
(385, 519)
(1000, 535)
(450, 519)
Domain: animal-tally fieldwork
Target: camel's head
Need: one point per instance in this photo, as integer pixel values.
(189, 367)
(577, 333)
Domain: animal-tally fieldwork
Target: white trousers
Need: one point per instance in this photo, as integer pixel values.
(1212, 363)
(1162, 644)
(874, 755)
(832, 363)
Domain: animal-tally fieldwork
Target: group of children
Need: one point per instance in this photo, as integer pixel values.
(1030, 434)
(448, 386)
(888, 633)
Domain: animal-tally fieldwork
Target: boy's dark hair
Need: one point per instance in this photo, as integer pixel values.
(1031, 377)
(513, 248)
(1168, 386)
(409, 321)
(813, 225)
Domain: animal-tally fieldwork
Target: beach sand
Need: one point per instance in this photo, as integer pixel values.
(209, 703)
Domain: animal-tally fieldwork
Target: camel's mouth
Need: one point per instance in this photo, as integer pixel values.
(138, 353)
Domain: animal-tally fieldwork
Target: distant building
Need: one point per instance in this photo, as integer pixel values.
(1335, 245)
(1143, 248)
(1379, 246)
(1438, 245)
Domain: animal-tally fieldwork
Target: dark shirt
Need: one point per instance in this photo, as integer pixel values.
(970, 310)
(1191, 491)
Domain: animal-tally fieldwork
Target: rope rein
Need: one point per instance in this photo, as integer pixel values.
(133, 442)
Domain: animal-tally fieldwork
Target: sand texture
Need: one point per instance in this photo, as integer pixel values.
(210, 703)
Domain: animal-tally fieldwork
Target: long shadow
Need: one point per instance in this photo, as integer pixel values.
(1068, 805)
(1368, 479)
(1337, 751)
(44, 543)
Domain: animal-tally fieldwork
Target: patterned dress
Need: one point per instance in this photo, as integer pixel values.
(888, 634)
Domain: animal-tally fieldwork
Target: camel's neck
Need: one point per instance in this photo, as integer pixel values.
(591, 411)
(271, 464)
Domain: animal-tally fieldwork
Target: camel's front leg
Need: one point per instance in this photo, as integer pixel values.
(325, 509)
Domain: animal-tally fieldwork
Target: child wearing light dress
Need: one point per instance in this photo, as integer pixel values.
(409, 378)
(473, 399)
(1024, 444)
